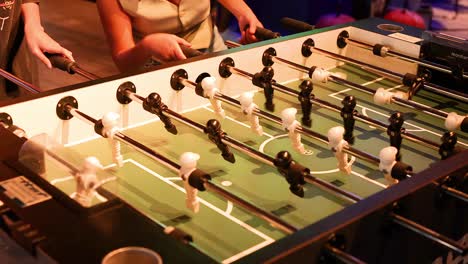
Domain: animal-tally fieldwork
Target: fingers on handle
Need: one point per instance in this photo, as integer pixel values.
(42, 58)
(178, 54)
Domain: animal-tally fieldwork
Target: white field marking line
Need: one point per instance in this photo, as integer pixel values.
(174, 178)
(84, 140)
(59, 180)
(364, 84)
(207, 204)
(238, 122)
(373, 81)
(368, 179)
(410, 124)
(262, 147)
(229, 208)
(416, 130)
(67, 178)
(340, 92)
(394, 87)
(247, 251)
(364, 113)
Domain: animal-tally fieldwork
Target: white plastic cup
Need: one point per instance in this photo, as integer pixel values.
(127, 255)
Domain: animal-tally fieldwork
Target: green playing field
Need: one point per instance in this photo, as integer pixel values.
(223, 230)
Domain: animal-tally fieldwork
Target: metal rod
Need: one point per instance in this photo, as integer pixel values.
(328, 186)
(225, 139)
(135, 144)
(231, 44)
(305, 131)
(432, 65)
(82, 116)
(72, 169)
(267, 216)
(408, 103)
(270, 161)
(175, 115)
(446, 92)
(367, 120)
(455, 193)
(355, 62)
(407, 135)
(29, 87)
(291, 64)
(390, 74)
(428, 233)
(88, 75)
(336, 79)
(428, 86)
(452, 192)
(275, 221)
(343, 256)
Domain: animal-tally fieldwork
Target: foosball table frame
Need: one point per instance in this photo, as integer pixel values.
(59, 231)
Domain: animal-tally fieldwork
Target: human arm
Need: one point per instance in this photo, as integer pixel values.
(245, 17)
(38, 41)
(126, 53)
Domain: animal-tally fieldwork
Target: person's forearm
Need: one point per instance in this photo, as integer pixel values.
(133, 58)
(31, 16)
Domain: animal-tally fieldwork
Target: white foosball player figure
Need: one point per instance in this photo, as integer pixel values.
(383, 97)
(320, 75)
(209, 90)
(86, 181)
(288, 117)
(337, 145)
(110, 123)
(454, 121)
(394, 171)
(387, 158)
(188, 163)
(247, 107)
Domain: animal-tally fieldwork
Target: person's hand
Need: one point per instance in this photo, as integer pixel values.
(164, 47)
(39, 42)
(248, 24)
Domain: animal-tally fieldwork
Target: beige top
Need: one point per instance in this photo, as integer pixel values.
(190, 19)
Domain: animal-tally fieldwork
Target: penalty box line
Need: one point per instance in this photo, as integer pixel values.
(268, 240)
(207, 204)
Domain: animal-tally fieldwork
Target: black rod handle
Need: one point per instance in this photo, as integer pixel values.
(265, 34)
(295, 25)
(61, 62)
(189, 52)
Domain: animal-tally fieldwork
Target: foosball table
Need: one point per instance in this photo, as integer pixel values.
(328, 146)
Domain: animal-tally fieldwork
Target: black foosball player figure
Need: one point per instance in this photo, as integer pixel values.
(215, 134)
(293, 172)
(305, 98)
(264, 79)
(394, 130)
(447, 147)
(347, 113)
(154, 104)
